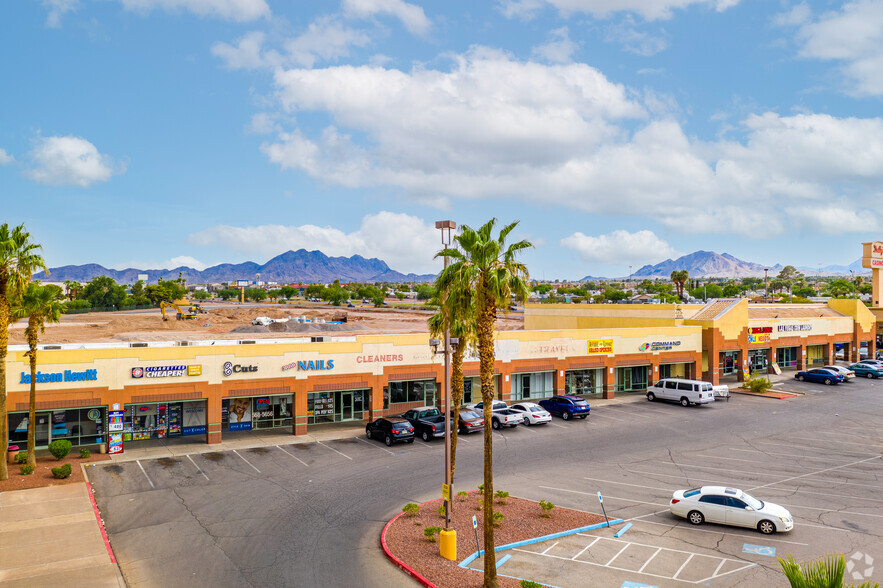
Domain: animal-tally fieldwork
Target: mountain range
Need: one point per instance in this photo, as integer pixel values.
(708, 264)
(290, 267)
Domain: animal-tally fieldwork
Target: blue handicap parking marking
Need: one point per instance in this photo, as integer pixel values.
(758, 549)
(628, 584)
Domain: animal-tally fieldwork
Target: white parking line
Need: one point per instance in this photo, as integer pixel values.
(595, 415)
(145, 474)
(297, 458)
(583, 550)
(550, 547)
(688, 465)
(624, 547)
(594, 494)
(625, 484)
(812, 457)
(840, 452)
(198, 469)
(334, 450)
(692, 529)
(835, 441)
(374, 445)
(683, 565)
(646, 563)
(816, 473)
(557, 425)
(246, 461)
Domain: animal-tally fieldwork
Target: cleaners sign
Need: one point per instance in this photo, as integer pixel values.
(65, 376)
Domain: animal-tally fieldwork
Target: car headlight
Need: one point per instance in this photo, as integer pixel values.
(785, 519)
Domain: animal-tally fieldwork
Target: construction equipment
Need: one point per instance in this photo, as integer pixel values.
(197, 309)
(163, 305)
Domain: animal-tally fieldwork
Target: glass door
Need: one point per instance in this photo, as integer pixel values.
(346, 406)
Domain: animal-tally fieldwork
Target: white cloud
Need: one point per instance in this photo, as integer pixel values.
(234, 10)
(837, 220)
(647, 9)
(5, 158)
(406, 243)
(247, 53)
(559, 49)
(263, 123)
(621, 248)
(852, 35)
(70, 160)
(169, 264)
(635, 41)
(57, 9)
(412, 16)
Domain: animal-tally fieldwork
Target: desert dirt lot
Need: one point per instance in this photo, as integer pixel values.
(221, 320)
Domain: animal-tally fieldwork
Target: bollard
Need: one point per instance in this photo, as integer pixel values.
(448, 544)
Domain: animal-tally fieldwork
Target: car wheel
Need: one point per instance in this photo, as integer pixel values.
(368, 433)
(828, 381)
(695, 517)
(651, 396)
(800, 378)
(410, 441)
(425, 436)
(583, 416)
(869, 375)
(495, 424)
(565, 415)
(388, 440)
(684, 401)
(766, 527)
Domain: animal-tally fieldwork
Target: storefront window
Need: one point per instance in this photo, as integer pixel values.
(80, 426)
(422, 391)
(532, 386)
(332, 407)
(673, 370)
(729, 362)
(631, 379)
(786, 357)
(757, 360)
(261, 412)
(158, 420)
(584, 382)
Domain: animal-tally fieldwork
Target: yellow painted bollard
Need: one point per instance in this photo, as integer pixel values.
(448, 544)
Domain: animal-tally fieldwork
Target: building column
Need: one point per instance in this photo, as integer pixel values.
(653, 371)
(743, 364)
(213, 419)
(558, 380)
(609, 382)
(770, 360)
(829, 353)
(801, 357)
(299, 423)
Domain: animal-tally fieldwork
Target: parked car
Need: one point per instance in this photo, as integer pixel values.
(391, 430)
(686, 392)
(469, 421)
(847, 373)
(867, 370)
(533, 413)
(820, 375)
(566, 406)
(877, 362)
(730, 506)
(501, 414)
(427, 420)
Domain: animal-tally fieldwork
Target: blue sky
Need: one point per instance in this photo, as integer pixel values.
(155, 133)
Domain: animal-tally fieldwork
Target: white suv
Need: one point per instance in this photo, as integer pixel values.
(686, 392)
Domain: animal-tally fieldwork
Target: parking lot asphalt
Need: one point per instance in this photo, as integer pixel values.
(310, 514)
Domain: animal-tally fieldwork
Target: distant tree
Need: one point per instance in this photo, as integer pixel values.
(336, 295)
(425, 292)
(287, 292)
(228, 293)
(400, 295)
(315, 291)
(614, 295)
(201, 294)
(72, 289)
(378, 301)
(255, 294)
(679, 279)
(732, 291)
(164, 291)
(542, 288)
(139, 297)
(707, 292)
(752, 283)
(805, 292)
(274, 294)
(103, 291)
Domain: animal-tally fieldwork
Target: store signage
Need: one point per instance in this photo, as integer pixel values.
(319, 364)
(231, 368)
(115, 420)
(599, 347)
(323, 406)
(65, 376)
(194, 370)
(760, 338)
(759, 330)
(161, 371)
(660, 345)
(115, 444)
(789, 328)
(876, 262)
(876, 249)
(94, 415)
(379, 358)
(262, 409)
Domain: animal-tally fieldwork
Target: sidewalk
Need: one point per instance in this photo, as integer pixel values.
(51, 537)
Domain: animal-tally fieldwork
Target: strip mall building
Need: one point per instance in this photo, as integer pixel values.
(131, 392)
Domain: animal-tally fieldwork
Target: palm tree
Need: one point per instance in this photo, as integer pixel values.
(680, 277)
(456, 313)
(41, 305)
(18, 262)
(488, 269)
(827, 572)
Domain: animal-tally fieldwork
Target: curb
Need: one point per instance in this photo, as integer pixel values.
(399, 563)
(789, 395)
(100, 523)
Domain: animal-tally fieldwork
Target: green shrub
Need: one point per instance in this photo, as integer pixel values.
(26, 469)
(59, 449)
(759, 385)
(481, 487)
(498, 518)
(84, 454)
(62, 471)
(547, 508)
(529, 584)
(480, 504)
(431, 532)
(462, 494)
(21, 457)
(441, 511)
(501, 496)
(411, 509)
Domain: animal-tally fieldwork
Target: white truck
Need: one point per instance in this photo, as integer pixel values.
(501, 414)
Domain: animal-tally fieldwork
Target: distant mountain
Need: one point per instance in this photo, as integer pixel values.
(707, 264)
(289, 267)
(835, 270)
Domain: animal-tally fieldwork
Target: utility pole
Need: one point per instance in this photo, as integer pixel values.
(766, 287)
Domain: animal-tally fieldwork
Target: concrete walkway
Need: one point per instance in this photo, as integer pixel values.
(51, 537)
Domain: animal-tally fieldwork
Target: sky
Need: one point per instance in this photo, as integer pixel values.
(159, 133)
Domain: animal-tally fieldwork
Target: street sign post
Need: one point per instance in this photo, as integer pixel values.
(446, 492)
(475, 528)
(601, 500)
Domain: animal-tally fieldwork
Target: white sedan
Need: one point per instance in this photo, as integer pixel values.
(845, 372)
(729, 506)
(533, 414)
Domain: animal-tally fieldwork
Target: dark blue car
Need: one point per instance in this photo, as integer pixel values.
(867, 370)
(820, 375)
(566, 406)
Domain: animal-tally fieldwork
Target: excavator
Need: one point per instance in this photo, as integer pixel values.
(163, 305)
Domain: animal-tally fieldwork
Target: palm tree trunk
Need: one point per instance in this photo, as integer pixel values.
(4, 343)
(456, 399)
(485, 327)
(32, 414)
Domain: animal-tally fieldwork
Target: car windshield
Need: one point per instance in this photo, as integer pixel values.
(468, 414)
(752, 501)
(580, 403)
(536, 409)
(401, 426)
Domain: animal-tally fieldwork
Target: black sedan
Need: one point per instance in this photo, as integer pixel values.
(391, 430)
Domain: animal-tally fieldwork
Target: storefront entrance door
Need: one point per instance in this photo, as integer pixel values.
(346, 406)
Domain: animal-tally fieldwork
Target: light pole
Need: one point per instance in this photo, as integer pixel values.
(448, 538)
(766, 287)
(630, 275)
(853, 282)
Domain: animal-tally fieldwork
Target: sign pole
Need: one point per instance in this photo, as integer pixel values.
(448, 542)
(475, 529)
(601, 500)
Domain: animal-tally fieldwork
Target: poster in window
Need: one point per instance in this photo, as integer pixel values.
(323, 406)
(194, 418)
(239, 414)
(115, 444)
(262, 409)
